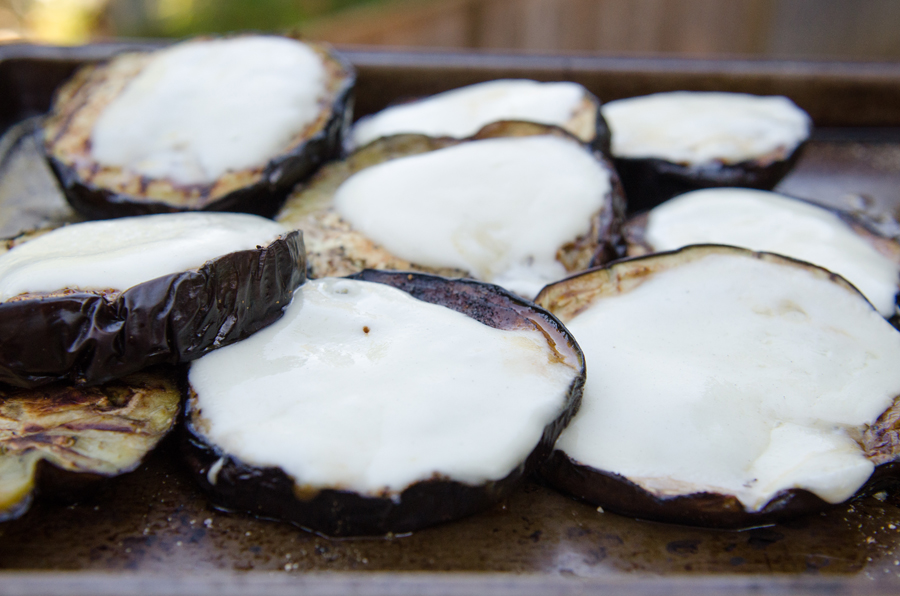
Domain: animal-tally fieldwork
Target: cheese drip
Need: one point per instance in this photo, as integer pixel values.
(204, 108)
(498, 208)
(462, 112)
(765, 221)
(699, 128)
(362, 387)
(120, 253)
(735, 376)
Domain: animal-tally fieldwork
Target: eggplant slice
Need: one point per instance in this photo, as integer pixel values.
(728, 388)
(215, 141)
(92, 335)
(60, 440)
(771, 222)
(30, 198)
(460, 113)
(668, 144)
(335, 247)
(413, 472)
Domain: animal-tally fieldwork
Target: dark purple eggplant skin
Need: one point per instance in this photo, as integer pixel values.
(634, 229)
(650, 181)
(602, 140)
(270, 493)
(86, 339)
(619, 495)
(611, 220)
(263, 197)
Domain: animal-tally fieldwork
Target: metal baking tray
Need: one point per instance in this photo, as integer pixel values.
(151, 532)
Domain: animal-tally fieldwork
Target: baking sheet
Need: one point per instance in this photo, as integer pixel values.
(152, 532)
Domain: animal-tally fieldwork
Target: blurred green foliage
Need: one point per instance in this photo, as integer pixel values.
(182, 18)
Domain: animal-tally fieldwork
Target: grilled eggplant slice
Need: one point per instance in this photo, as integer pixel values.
(770, 222)
(210, 124)
(60, 440)
(519, 205)
(94, 301)
(667, 144)
(386, 402)
(728, 388)
(462, 112)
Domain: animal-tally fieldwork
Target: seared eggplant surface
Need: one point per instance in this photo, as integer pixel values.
(385, 402)
(60, 440)
(462, 112)
(728, 388)
(667, 144)
(770, 222)
(210, 124)
(519, 205)
(92, 302)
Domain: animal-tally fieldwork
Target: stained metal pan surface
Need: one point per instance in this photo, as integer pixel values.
(152, 532)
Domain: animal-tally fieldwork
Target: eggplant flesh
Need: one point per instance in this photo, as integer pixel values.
(336, 248)
(458, 113)
(100, 191)
(59, 440)
(864, 439)
(89, 338)
(269, 492)
(797, 228)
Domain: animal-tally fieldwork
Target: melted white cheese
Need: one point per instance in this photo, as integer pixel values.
(766, 221)
(462, 112)
(203, 108)
(735, 376)
(499, 208)
(697, 128)
(121, 253)
(362, 387)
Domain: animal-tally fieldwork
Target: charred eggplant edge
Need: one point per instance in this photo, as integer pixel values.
(270, 493)
(636, 245)
(87, 339)
(617, 493)
(602, 140)
(50, 481)
(263, 197)
(649, 181)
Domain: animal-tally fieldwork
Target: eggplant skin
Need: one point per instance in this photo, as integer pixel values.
(272, 494)
(602, 140)
(650, 181)
(617, 494)
(61, 441)
(259, 191)
(88, 339)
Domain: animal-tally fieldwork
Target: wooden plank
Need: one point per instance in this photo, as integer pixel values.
(798, 28)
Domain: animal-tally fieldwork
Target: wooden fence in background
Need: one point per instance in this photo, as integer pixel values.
(868, 29)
